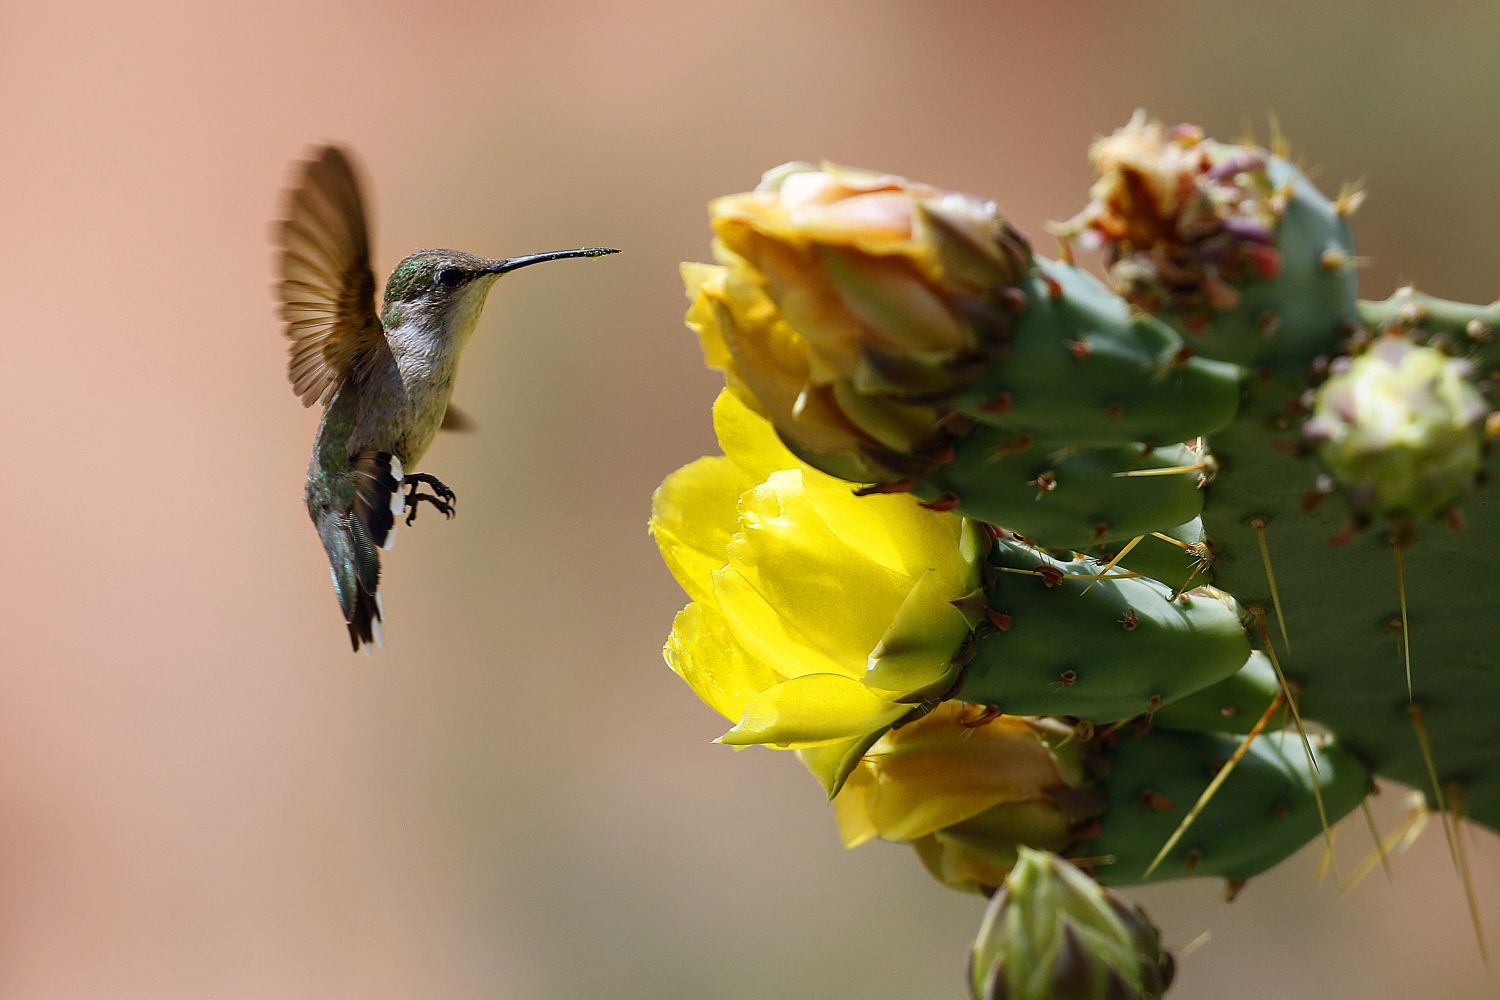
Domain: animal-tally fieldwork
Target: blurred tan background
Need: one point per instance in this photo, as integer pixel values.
(203, 794)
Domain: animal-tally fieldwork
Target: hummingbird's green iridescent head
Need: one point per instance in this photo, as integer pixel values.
(445, 289)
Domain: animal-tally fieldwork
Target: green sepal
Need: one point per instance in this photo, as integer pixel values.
(850, 466)
(832, 763)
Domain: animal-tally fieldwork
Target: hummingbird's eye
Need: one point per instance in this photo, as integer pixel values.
(450, 277)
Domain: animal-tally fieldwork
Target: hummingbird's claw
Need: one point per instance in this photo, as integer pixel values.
(441, 497)
(438, 486)
(414, 497)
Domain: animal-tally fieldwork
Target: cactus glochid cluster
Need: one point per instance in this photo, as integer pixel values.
(1078, 562)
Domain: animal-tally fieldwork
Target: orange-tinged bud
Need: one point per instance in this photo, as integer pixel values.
(843, 309)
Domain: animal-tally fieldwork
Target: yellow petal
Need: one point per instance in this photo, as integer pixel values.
(772, 367)
(773, 180)
(873, 217)
(859, 179)
(759, 626)
(772, 363)
(916, 652)
(813, 709)
(703, 652)
(793, 280)
(704, 283)
(749, 440)
(958, 865)
(876, 526)
(898, 533)
(900, 427)
(892, 300)
(851, 808)
(693, 519)
(935, 772)
(798, 202)
(977, 854)
(830, 597)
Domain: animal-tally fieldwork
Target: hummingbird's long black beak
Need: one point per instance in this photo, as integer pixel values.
(512, 263)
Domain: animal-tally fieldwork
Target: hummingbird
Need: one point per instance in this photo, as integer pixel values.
(384, 379)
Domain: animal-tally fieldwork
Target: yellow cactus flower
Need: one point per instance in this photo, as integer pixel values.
(818, 618)
(843, 309)
(966, 796)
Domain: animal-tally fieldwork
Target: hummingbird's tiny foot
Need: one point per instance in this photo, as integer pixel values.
(441, 496)
(438, 486)
(414, 498)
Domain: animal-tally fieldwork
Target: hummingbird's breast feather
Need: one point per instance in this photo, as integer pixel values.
(402, 401)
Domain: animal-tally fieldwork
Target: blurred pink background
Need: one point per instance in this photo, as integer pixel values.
(204, 794)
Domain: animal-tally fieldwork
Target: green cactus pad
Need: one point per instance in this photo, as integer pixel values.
(1342, 605)
(1067, 497)
(1264, 811)
(1084, 368)
(1233, 705)
(1336, 576)
(1178, 567)
(1282, 323)
(1101, 651)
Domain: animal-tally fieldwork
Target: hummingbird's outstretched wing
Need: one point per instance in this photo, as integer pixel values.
(327, 290)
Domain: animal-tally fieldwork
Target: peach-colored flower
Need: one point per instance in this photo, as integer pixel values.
(841, 308)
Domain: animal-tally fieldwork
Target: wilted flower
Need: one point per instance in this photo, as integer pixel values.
(848, 305)
(1399, 428)
(818, 618)
(1053, 933)
(1183, 220)
(967, 796)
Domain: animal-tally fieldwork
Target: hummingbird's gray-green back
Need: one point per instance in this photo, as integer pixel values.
(385, 379)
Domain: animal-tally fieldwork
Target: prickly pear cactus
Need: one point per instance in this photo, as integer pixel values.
(1159, 573)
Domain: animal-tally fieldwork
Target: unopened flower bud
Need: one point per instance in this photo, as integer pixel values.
(1053, 933)
(1399, 427)
(844, 309)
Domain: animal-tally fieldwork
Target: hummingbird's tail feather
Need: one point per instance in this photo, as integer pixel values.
(362, 616)
(354, 537)
(378, 501)
(354, 563)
